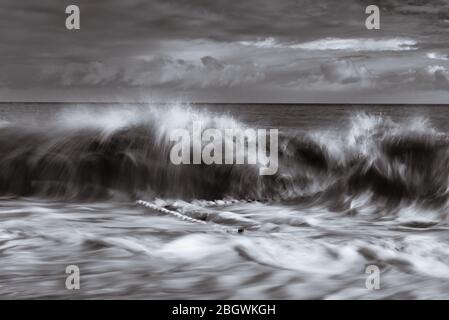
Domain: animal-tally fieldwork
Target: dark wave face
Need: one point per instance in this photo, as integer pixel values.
(98, 155)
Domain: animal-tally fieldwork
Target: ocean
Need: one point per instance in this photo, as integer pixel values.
(91, 185)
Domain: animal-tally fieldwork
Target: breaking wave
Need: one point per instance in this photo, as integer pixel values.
(87, 154)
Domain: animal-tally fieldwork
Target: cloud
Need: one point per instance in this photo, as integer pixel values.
(437, 56)
(429, 78)
(357, 44)
(211, 62)
(433, 76)
(344, 71)
(369, 44)
(208, 72)
(267, 43)
(93, 73)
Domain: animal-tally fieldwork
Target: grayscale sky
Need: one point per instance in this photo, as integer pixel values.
(298, 51)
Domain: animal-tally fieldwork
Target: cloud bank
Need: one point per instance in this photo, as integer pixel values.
(254, 50)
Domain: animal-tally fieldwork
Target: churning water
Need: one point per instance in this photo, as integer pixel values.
(356, 186)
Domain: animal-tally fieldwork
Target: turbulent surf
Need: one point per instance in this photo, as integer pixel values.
(95, 186)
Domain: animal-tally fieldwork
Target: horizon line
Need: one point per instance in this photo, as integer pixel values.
(227, 103)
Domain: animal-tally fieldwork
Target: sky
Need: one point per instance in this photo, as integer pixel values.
(260, 51)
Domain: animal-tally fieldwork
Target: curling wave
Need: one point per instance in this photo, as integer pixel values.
(93, 155)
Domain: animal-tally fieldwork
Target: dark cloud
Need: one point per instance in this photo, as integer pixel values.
(211, 62)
